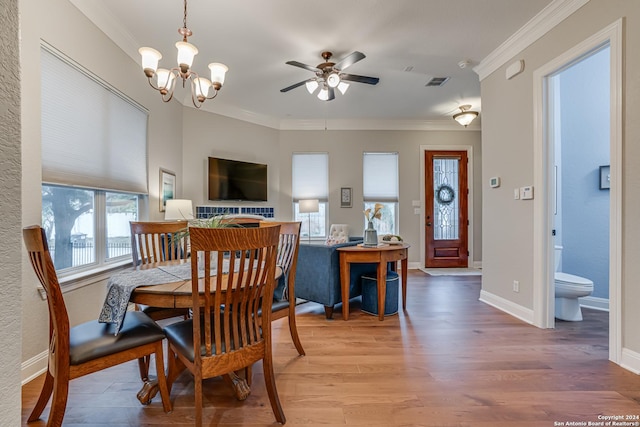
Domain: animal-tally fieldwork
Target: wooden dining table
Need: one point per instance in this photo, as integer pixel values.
(178, 294)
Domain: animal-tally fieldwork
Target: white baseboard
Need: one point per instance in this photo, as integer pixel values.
(518, 311)
(595, 303)
(34, 367)
(416, 265)
(630, 360)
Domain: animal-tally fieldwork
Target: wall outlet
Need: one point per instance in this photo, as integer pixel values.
(516, 286)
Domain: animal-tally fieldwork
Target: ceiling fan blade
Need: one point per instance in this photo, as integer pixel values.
(293, 86)
(360, 79)
(349, 60)
(332, 94)
(305, 66)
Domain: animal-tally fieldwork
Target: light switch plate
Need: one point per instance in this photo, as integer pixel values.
(516, 194)
(526, 192)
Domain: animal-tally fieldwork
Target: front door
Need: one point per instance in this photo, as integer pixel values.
(446, 216)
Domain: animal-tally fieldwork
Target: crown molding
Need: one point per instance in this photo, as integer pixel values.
(554, 13)
(369, 124)
(334, 124)
(105, 21)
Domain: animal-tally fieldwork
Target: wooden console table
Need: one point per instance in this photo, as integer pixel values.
(381, 254)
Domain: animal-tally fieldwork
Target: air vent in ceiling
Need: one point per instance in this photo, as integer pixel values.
(437, 81)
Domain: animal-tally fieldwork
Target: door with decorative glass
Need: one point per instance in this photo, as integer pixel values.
(446, 215)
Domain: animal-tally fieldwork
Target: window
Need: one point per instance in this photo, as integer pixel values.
(380, 185)
(310, 180)
(94, 166)
(71, 216)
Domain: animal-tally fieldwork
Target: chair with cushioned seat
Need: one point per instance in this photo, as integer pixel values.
(154, 242)
(284, 301)
(89, 347)
(231, 325)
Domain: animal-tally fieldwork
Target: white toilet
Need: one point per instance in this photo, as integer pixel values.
(568, 289)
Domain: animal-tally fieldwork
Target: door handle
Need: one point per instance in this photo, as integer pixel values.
(428, 224)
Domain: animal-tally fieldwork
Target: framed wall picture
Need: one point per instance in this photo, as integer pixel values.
(167, 187)
(605, 177)
(345, 197)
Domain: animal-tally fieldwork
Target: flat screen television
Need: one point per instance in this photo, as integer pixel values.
(236, 180)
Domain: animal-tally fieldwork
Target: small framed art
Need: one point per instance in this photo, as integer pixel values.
(345, 197)
(167, 187)
(605, 177)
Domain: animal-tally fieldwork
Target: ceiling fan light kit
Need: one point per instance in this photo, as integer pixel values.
(465, 117)
(165, 80)
(330, 76)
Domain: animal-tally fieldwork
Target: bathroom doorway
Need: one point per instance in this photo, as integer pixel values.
(570, 148)
(579, 99)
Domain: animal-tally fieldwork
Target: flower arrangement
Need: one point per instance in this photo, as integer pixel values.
(377, 212)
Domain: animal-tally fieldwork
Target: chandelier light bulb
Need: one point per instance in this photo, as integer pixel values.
(186, 53)
(164, 79)
(218, 72)
(150, 59)
(201, 88)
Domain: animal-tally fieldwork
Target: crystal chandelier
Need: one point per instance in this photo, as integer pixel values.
(165, 80)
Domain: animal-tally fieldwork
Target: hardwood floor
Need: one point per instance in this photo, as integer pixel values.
(450, 360)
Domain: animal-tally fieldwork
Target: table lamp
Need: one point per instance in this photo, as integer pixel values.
(178, 209)
(309, 206)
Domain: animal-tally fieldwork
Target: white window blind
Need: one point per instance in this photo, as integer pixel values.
(380, 174)
(91, 135)
(310, 176)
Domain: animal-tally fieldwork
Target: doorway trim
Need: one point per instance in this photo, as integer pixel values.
(469, 150)
(543, 295)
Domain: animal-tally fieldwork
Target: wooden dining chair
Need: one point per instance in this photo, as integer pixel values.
(154, 242)
(159, 241)
(227, 332)
(284, 301)
(88, 347)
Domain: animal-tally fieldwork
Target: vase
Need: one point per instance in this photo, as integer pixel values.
(370, 235)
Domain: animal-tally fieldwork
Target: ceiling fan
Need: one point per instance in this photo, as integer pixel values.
(330, 75)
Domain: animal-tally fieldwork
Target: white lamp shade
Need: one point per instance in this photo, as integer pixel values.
(150, 58)
(201, 87)
(465, 117)
(178, 209)
(186, 53)
(323, 94)
(165, 78)
(311, 85)
(308, 206)
(342, 87)
(333, 80)
(218, 72)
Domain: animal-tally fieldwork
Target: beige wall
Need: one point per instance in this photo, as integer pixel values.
(10, 205)
(345, 150)
(507, 140)
(211, 135)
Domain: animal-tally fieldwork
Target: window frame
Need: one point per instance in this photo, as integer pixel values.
(323, 198)
(101, 263)
(386, 199)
